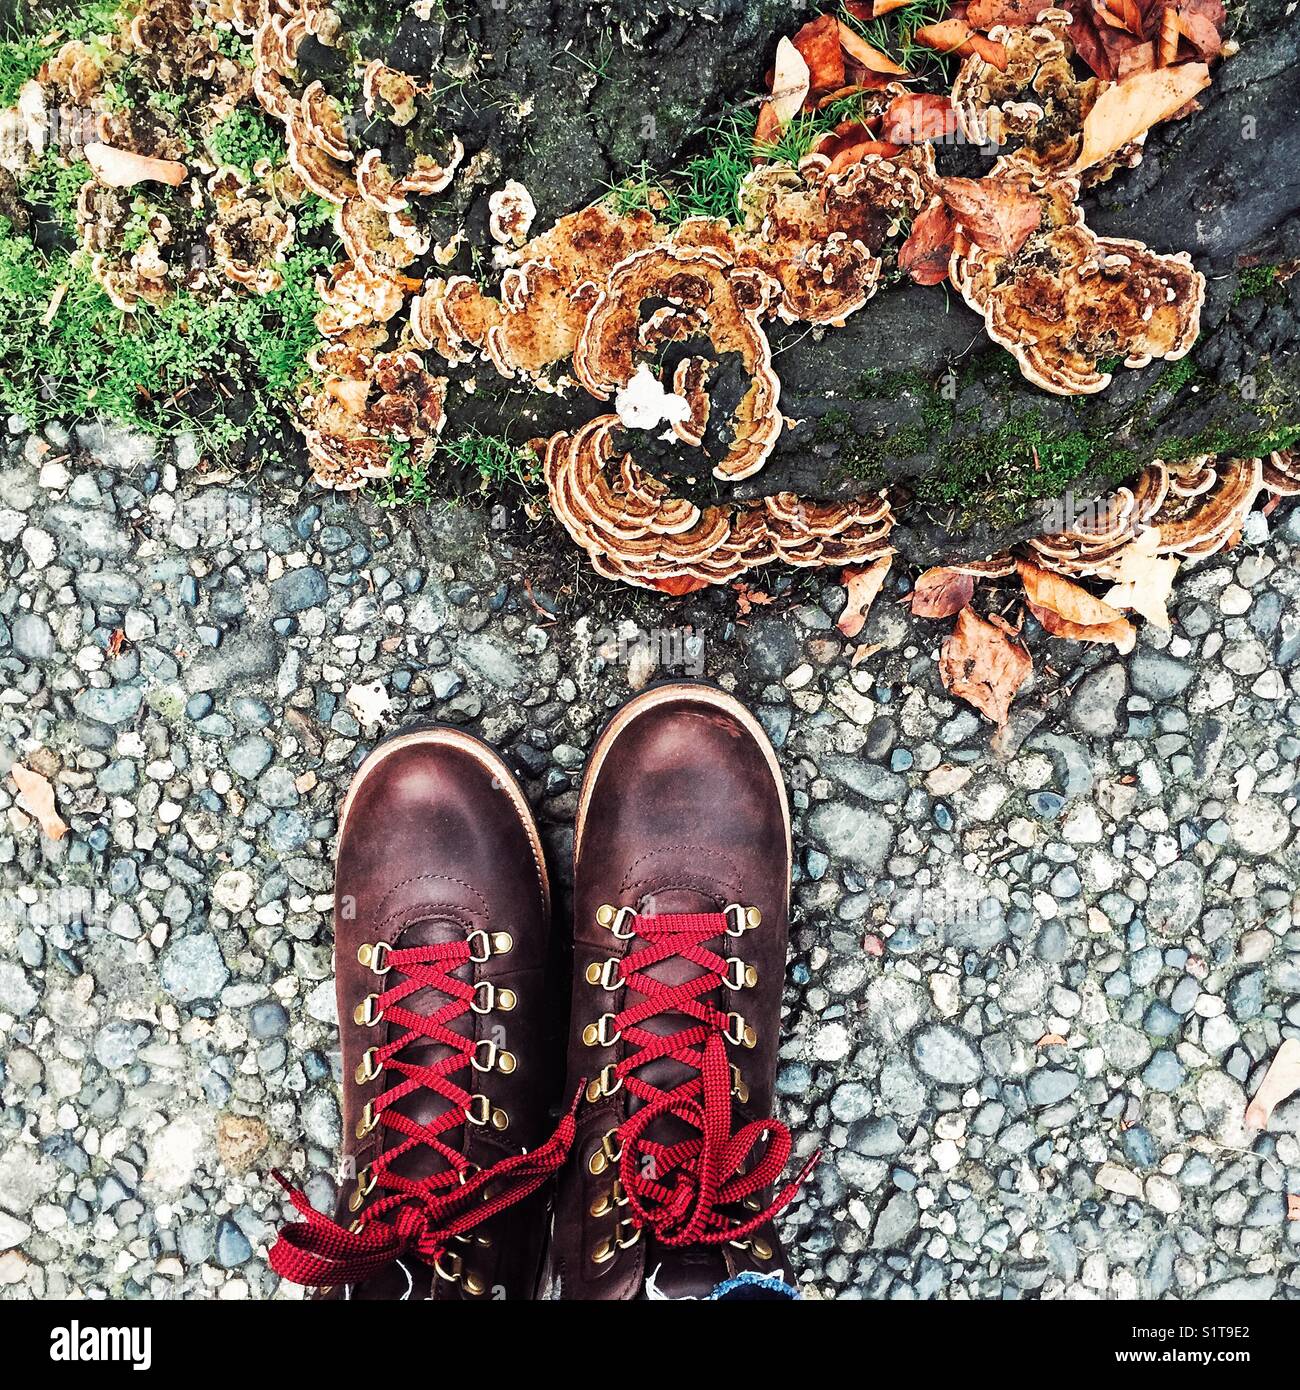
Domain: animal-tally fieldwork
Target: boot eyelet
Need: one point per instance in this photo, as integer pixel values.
(502, 943)
(626, 1234)
(479, 1109)
(368, 1013)
(375, 956)
(740, 975)
(739, 1032)
(610, 1152)
(604, 1252)
(604, 974)
(615, 919)
(367, 1069)
(606, 1084)
(369, 1119)
(741, 919)
(602, 1033)
(484, 1056)
(480, 946)
(500, 1120)
(609, 1201)
(738, 1087)
(488, 997)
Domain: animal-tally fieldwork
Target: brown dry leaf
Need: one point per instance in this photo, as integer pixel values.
(983, 666)
(862, 52)
(861, 653)
(924, 256)
(1142, 578)
(947, 36)
(1167, 36)
(939, 593)
(679, 584)
(915, 117)
(1015, 14)
(749, 598)
(881, 7)
(1067, 609)
(1130, 108)
(38, 797)
(998, 215)
(767, 131)
(1280, 1080)
(819, 42)
(863, 585)
(125, 168)
(1140, 58)
(1202, 33)
(1051, 1040)
(790, 82)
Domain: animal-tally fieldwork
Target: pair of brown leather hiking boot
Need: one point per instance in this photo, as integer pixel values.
(660, 1176)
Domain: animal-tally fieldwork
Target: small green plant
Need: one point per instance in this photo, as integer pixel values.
(894, 35)
(496, 461)
(1255, 280)
(33, 32)
(245, 137)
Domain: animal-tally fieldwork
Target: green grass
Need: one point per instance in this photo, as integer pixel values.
(497, 462)
(895, 35)
(1254, 281)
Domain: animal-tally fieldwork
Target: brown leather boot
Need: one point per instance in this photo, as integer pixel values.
(441, 914)
(681, 899)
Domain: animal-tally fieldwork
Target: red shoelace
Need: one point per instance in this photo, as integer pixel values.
(416, 1217)
(682, 1191)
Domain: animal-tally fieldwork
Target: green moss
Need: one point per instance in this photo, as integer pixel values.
(245, 137)
(496, 461)
(1254, 281)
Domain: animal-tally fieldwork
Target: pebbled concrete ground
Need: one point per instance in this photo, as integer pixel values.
(1034, 976)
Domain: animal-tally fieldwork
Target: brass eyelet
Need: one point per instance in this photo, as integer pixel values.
(614, 919)
(455, 1266)
(369, 1119)
(500, 1120)
(467, 1172)
(738, 1087)
(368, 1013)
(609, 1201)
(756, 1246)
(605, 974)
(604, 1252)
(367, 1069)
(502, 943)
(484, 1064)
(472, 941)
(473, 1285)
(740, 975)
(741, 919)
(488, 997)
(374, 955)
(602, 1033)
(626, 1233)
(610, 1152)
(366, 1181)
(739, 1032)
(606, 1084)
(479, 1109)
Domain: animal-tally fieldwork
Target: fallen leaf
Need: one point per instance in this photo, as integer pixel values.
(1120, 14)
(369, 703)
(924, 256)
(1280, 1080)
(124, 168)
(1292, 1207)
(863, 585)
(38, 797)
(884, 7)
(116, 642)
(1067, 609)
(819, 43)
(1202, 33)
(1142, 579)
(850, 155)
(1168, 35)
(790, 82)
(748, 598)
(862, 52)
(983, 666)
(1130, 108)
(1051, 1040)
(939, 593)
(767, 131)
(945, 37)
(915, 117)
(997, 215)
(862, 652)
(679, 584)
(1140, 58)
(1015, 14)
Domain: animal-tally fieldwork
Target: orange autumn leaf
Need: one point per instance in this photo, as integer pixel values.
(1168, 35)
(884, 7)
(863, 585)
(679, 584)
(1130, 108)
(939, 593)
(1280, 1080)
(767, 131)
(1292, 1207)
(862, 52)
(997, 215)
(125, 168)
(1202, 33)
(947, 36)
(915, 117)
(924, 256)
(1051, 1040)
(38, 797)
(819, 42)
(1066, 609)
(853, 154)
(983, 666)
(986, 48)
(1140, 58)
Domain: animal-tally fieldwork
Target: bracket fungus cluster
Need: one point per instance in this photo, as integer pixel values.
(656, 331)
